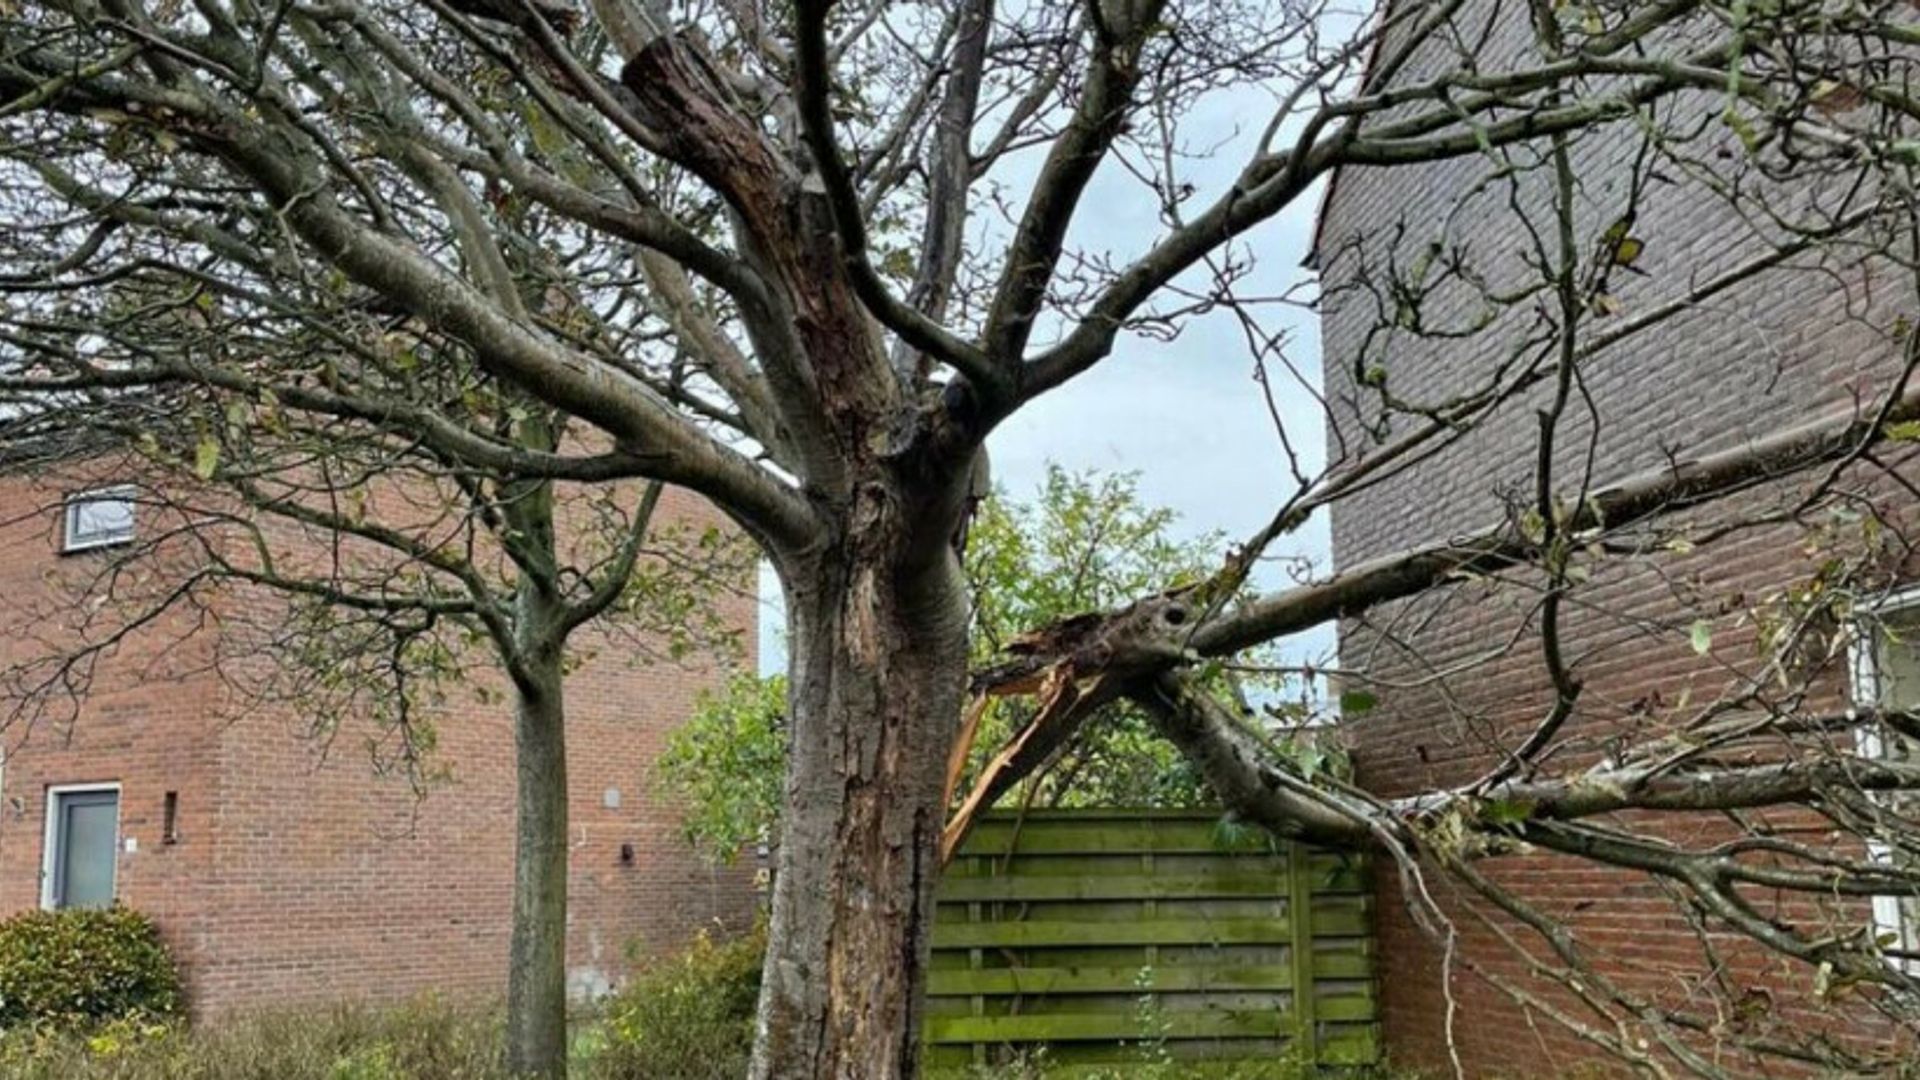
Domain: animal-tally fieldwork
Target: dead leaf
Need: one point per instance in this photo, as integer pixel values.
(1833, 98)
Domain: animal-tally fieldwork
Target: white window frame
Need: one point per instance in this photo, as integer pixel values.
(70, 513)
(1888, 918)
(49, 846)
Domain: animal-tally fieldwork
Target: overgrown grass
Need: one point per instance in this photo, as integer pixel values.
(427, 1039)
(684, 1017)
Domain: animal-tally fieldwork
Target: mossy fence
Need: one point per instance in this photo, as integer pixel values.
(1113, 936)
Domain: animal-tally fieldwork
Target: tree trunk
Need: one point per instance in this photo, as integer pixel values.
(537, 953)
(876, 676)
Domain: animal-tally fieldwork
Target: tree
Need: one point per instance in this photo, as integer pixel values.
(768, 265)
(355, 575)
(1083, 542)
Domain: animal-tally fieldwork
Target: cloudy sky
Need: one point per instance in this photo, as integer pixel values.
(1187, 415)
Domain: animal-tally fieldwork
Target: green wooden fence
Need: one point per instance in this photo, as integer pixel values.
(1115, 935)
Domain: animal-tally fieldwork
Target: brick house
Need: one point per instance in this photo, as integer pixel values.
(283, 869)
(1783, 347)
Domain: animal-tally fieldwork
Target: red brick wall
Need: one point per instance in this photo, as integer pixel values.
(1781, 348)
(299, 873)
(141, 723)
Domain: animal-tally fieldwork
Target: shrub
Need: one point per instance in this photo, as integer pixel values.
(724, 767)
(81, 968)
(686, 1017)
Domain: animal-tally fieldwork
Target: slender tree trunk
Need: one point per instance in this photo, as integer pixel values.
(535, 658)
(876, 677)
(537, 953)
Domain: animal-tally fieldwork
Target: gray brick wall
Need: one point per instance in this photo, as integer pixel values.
(1460, 670)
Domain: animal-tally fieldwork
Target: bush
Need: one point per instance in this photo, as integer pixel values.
(77, 969)
(724, 767)
(686, 1017)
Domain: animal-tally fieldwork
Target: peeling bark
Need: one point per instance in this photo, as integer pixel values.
(877, 674)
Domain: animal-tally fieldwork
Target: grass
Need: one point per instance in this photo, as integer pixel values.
(683, 1017)
(432, 1039)
(427, 1039)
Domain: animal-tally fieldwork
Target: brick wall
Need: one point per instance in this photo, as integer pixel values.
(299, 872)
(1461, 669)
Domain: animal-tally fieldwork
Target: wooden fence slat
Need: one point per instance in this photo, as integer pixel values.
(1103, 931)
(1028, 935)
(1103, 1027)
(1301, 916)
(1116, 837)
(1109, 980)
(1132, 887)
(1343, 921)
(1100, 1027)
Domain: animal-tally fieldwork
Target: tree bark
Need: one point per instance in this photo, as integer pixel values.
(877, 674)
(537, 951)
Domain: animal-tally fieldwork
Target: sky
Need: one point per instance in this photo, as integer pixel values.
(1186, 414)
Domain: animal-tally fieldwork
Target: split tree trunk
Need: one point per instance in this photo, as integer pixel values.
(537, 951)
(876, 604)
(877, 673)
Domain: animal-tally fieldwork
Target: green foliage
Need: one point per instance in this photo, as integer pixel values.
(684, 1017)
(724, 767)
(687, 1017)
(1084, 542)
(77, 968)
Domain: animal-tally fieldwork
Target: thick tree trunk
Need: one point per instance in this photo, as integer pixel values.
(537, 952)
(877, 671)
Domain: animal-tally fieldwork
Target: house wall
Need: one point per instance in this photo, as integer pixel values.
(136, 717)
(1463, 672)
(304, 873)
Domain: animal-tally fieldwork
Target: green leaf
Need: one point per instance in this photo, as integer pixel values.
(206, 457)
(1355, 702)
(1628, 249)
(1748, 136)
(1533, 526)
(1507, 811)
(1702, 636)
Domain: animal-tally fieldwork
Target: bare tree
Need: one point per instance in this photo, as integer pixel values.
(803, 260)
(351, 573)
